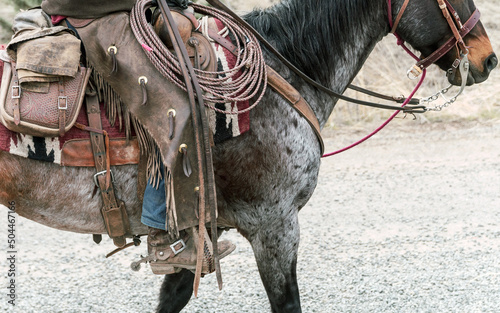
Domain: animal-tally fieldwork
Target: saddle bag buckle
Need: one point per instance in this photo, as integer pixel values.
(65, 102)
(16, 92)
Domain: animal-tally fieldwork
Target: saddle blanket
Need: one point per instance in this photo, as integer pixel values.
(226, 126)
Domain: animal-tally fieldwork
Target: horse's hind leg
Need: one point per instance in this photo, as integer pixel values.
(275, 246)
(175, 292)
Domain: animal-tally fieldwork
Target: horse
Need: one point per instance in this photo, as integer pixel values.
(266, 175)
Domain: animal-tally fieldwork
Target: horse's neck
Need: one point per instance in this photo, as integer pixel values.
(328, 40)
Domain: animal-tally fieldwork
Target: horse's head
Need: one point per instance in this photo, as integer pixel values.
(425, 27)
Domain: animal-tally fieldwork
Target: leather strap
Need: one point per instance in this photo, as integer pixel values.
(203, 146)
(78, 152)
(16, 95)
(400, 15)
(454, 13)
(281, 86)
(62, 106)
(114, 213)
(450, 43)
(445, 8)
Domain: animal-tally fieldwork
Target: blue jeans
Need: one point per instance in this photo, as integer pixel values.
(153, 206)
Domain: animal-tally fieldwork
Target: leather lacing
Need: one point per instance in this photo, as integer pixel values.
(218, 87)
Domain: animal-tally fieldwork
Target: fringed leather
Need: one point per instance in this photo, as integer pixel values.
(149, 149)
(116, 108)
(171, 220)
(112, 101)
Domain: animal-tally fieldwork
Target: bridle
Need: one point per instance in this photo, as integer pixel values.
(458, 29)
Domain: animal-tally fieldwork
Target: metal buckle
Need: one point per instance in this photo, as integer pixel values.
(414, 72)
(18, 92)
(102, 173)
(65, 107)
(177, 251)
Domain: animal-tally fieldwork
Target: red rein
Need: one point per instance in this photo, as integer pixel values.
(400, 42)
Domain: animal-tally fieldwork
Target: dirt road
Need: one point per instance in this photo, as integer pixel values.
(407, 222)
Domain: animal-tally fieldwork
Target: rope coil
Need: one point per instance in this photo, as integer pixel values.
(247, 80)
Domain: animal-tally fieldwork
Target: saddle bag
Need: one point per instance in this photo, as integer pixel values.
(48, 113)
(42, 83)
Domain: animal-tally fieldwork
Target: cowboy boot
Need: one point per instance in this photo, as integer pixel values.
(169, 258)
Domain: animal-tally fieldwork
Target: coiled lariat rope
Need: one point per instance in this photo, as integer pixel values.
(219, 87)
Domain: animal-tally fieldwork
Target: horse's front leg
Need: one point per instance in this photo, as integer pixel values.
(275, 244)
(175, 292)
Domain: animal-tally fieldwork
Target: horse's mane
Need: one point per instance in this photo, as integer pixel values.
(309, 32)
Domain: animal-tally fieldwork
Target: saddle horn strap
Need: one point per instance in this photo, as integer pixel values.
(448, 45)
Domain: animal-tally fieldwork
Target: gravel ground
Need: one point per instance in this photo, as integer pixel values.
(407, 222)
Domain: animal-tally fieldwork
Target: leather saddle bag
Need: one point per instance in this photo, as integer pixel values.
(48, 113)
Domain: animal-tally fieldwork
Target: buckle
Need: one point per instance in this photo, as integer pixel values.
(102, 173)
(65, 98)
(456, 63)
(175, 250)
(18, 88)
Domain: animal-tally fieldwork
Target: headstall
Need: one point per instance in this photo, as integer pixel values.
(458, 29)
